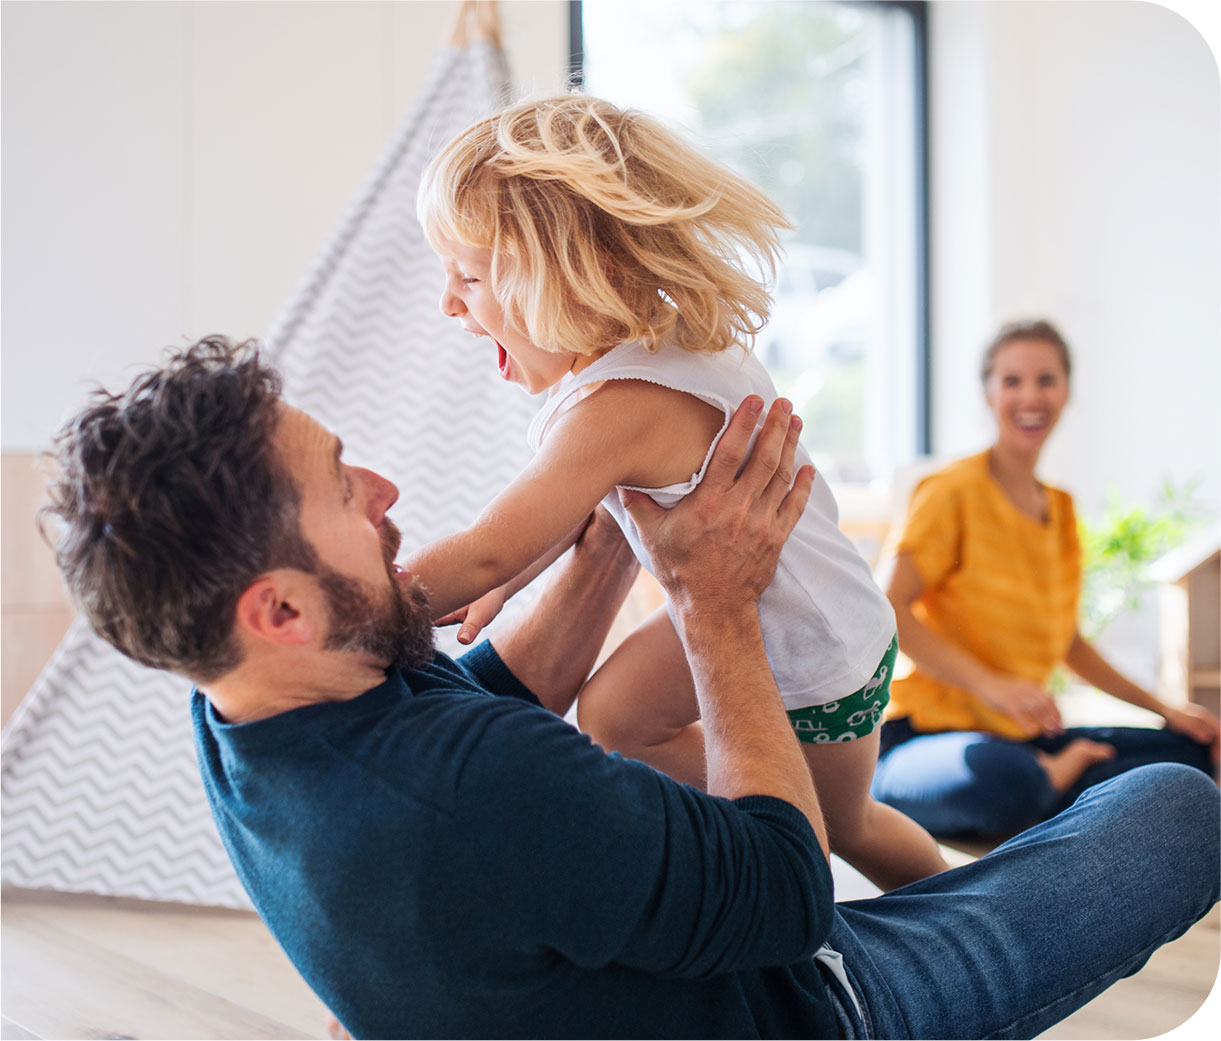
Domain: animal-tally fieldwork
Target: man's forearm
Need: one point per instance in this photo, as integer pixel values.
(553, 648)
(749, 743)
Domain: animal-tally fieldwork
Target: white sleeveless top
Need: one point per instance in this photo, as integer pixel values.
(825, 623)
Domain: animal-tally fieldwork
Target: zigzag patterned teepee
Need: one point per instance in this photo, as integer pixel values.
(101, 792)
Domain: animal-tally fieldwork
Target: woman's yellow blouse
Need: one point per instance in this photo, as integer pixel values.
(997, 583)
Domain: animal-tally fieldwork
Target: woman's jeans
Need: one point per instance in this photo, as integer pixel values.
(1013, 943)
(967, 782)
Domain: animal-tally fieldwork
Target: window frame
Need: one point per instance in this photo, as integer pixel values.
(918, 11)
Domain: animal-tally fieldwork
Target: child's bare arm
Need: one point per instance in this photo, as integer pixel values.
(607, 439)
(524, 578)
(480, 612)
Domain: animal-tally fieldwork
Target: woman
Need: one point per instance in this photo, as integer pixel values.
(985, 591)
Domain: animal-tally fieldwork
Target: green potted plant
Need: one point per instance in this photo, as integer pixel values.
(1119, 546)
(1117, 549)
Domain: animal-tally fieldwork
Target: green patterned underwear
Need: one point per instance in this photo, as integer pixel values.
(853, 716)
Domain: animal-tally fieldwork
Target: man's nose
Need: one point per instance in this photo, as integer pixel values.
(382, 494)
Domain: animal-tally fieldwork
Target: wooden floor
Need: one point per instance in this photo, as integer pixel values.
(100, 967)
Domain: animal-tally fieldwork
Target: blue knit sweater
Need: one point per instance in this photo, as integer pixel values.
(442, 857)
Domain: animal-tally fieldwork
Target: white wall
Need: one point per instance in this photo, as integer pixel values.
(171, 168)
(1076, 173)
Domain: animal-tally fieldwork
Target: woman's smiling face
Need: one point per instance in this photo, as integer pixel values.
(1026, 390)
(468, 297)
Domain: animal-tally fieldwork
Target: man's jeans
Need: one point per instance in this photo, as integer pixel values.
(1013, 943)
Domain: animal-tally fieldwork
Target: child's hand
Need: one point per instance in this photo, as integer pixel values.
(475, 616)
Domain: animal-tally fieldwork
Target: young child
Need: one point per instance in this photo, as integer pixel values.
(609, 264)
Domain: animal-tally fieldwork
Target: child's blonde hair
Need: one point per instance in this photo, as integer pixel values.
(605, 227)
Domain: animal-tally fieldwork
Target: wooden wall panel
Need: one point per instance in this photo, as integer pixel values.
(36, 609)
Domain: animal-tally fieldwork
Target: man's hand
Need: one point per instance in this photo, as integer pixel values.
(720, 545)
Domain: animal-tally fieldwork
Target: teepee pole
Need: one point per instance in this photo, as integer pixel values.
(476, 21)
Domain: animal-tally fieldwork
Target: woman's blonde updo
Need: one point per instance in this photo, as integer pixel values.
(605, 227)
(1025, 329)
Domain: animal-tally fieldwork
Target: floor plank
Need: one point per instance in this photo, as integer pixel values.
(94, 967)
(152, 934)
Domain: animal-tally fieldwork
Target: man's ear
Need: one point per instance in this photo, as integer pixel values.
(271, 609)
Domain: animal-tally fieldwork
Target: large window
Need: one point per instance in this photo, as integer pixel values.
(819, 104)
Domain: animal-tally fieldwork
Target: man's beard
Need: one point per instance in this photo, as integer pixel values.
(397, 629)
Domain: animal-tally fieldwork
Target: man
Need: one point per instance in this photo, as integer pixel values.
(441, 855)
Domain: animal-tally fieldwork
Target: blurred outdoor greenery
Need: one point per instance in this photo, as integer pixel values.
(1119, 546)
(780, 87)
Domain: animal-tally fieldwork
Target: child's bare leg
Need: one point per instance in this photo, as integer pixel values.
(641, 703)
(884, 845)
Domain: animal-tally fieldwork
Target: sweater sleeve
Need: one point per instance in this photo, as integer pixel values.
(604, 861)
(492, 674)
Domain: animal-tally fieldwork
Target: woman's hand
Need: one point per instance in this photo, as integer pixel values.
(1024, 701)
(1190, 720)
(1197, 723)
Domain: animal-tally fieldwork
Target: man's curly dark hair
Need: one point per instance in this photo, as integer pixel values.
(170, 502)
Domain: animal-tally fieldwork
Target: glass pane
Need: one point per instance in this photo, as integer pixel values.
(814, 103)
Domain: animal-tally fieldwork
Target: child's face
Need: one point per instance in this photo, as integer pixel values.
(468, 297)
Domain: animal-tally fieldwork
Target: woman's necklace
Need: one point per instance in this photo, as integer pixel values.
(1024, 491)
